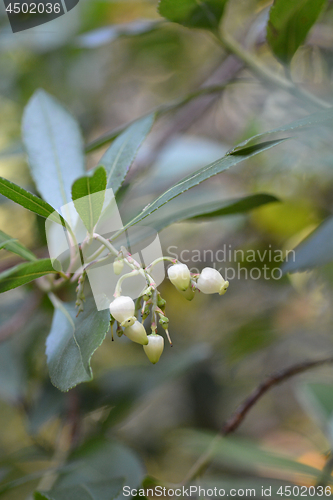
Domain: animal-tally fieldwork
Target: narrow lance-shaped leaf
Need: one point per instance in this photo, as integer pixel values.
(317, 399)
(120, 155)
(54, 145)
(289, 23)
(97, 490)
(243, 454)
(314, 251)
(29, 201)
(199, 176)
(12, 245)
(88, 194)
(316, 118)
(193, 13)
(72, 342)
(24, 273)
(320, 118)
(201, 211)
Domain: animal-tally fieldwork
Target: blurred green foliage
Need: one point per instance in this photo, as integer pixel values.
(110, 63)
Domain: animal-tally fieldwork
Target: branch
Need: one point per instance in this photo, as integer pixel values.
(265, 74)
(208, 89)
(21, 317)
(243, 409)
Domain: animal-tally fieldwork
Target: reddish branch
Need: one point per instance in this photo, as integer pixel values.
(243, 409)
(277, 378)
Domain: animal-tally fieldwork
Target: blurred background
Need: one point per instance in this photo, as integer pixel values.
(110, 62)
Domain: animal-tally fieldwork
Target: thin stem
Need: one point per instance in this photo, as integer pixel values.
(241, 412)
(85, 268)
(160, 259)
(160, 111)
(153, 311)
(106, 243)
(60, 456)
(128, 259)
(265, 74)
(117, 292)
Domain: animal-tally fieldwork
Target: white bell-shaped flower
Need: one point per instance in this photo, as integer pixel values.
(154, 348)
(180, 276)
(137, 333)
(211, 281)
(122, 308)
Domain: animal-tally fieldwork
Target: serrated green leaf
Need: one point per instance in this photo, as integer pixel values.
(314, 251)
(88, 194)
(72, 342)
(12, 245)
(101, 490)
(289, 23)
(193, 13)
(24, 273)
(199, 176)
(200, 211)
(54, 145)
(29, 201)
(120, 155)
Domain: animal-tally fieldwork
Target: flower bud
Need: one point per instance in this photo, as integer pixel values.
(154, 348)
(179, 275)
(122, 308)
(211, 281)
(147, 294)
(137, 333)
(161, 303)
(145, 313)
(164, 321)
(118, 265)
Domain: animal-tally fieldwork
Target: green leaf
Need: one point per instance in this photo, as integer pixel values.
(314, 251)
(238, 453)
(101, 490)
(12, 373)
(54, 145)
(193, 13)
(201, 175)
(24, 273)
(48, 405)
(12, 245)
(121, 389)
(317, 399)
(72, 342)
(201, 211)
(120, 155)
(13, 149)
(88, 195)
(289, 23)
(320, 118)
(103, 459)
(29, 201)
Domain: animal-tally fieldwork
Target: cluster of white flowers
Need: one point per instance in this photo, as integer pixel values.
(125, 312)
(209, 281)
